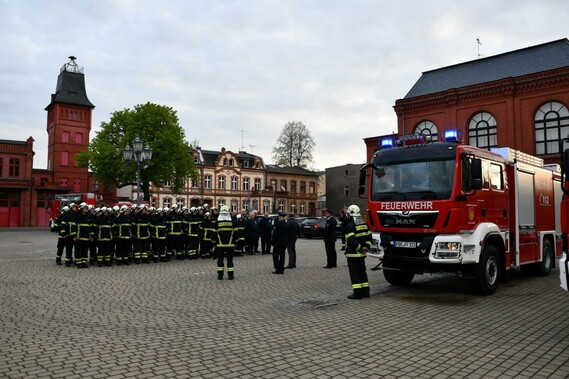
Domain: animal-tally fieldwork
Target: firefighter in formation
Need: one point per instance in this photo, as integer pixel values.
(358, 242)
(141, 234)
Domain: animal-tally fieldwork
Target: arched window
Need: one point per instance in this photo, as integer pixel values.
(551, 126)
(77, 185)
(427, 128)
(482, 131)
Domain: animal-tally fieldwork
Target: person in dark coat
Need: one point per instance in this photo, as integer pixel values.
(251, 234)
(292, 227)
(266, 230)
(280, 243)
(330, 239)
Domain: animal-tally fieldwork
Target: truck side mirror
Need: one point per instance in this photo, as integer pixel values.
(476, 173)
(362, 183)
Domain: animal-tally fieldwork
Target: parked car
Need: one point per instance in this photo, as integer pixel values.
(312, 227)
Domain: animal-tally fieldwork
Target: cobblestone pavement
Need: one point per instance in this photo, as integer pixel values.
(176, 320)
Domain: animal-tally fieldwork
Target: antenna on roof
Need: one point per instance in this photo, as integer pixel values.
(252, 147)
(242, 132)
(478, 43)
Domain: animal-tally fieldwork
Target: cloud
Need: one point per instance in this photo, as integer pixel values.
(227, 66)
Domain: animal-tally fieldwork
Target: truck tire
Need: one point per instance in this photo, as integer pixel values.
(398, 278)
(487, 271)
(543, 268)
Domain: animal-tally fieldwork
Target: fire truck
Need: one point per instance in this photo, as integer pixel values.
(62, 200)
(564, 260)
(450, 207)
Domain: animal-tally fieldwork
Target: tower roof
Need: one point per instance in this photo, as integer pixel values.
(71, 86)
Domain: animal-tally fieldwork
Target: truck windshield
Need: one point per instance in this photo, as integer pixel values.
(410, 180)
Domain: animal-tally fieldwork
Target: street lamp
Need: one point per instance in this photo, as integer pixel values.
(140, 155)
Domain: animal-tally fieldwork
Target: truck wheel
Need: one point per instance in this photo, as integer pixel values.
(544, 267)
(486, 273)
(398, 278)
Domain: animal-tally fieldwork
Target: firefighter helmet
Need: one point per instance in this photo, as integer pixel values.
(224, 210)
(64, 209)
(116, 208)
(124, 208)
(354, 211)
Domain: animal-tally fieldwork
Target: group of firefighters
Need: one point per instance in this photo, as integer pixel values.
(142, 234)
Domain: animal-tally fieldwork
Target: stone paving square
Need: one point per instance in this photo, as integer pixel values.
(176, 320)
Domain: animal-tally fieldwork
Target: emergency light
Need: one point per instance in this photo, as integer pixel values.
(387, 143)
(451, 135)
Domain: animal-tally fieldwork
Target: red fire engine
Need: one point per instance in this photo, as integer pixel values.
(449, 207)
(62, 200)
(564, 260)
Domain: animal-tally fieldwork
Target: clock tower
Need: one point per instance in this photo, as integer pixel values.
(68, 126)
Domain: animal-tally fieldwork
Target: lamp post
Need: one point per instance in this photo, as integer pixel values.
(139, 155)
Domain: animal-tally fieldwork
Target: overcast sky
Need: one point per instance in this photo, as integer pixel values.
(237, 71)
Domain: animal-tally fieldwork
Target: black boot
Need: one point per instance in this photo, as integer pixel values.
(58, 261)
(230, 274)
(220, 275)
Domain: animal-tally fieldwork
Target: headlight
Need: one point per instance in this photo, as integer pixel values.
(447, 250)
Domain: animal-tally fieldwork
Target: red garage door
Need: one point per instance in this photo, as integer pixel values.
(9, 209)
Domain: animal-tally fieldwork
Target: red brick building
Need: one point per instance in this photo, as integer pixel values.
(26, 193)
(518, 99)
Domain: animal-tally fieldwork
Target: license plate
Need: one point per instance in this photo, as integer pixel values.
(405, 244)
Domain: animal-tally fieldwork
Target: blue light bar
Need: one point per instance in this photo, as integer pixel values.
(451, 135)
(387, 143)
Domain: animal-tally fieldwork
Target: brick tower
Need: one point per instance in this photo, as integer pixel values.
(68, 127)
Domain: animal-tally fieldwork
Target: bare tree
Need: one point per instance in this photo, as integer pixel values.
(294, 146)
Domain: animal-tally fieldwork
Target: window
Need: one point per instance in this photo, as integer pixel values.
(283, 185)
(231, 162)
(302, 187)
(14, 167)
(167, 183)
(220, 202)
(266, 206)
(246, 164)
(496, 177)
(76, 185)
(63, 182)
(312, 187)
(246, 204)
(302, 208)
(233, 205)
(79, 138)
(281, 206)
(225, 161)
(180, 202)
(167, 202)
(293, 208)
(221, 182)
(65, 137)
(425, 128)
(551, 126)
(43, 182)
(207, 180)
(482, 131)
(194, 183)
(257, 184)
(255, 204)
(346, 190)
(234, 181)
(245, 184)
(64, 158)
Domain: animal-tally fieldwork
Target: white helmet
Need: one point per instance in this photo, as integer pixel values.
(166, 210)
(193, 209)
(239, 216)
(175, 206)
(159, 210)
(116, 208)
(224, 210)
(83, 205)
(124, 208)
(354, 211)
(65, 209)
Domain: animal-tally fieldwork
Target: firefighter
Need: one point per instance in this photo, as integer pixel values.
(158, 234)
(104, 236)
(224, 242)
(93, 213)
(124, 235)
(83, 235)
(175, 238)
(208, 236)
(71, 227)
(60, 226)
(194, 222)
(358, 242)
(239, 235)
(141, 235)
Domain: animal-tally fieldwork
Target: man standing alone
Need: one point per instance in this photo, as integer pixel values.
(280, 243)
(292, 227)
(330, 238)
